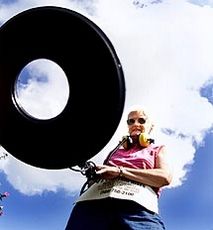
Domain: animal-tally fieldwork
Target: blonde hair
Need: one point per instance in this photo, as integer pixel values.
(138, 111)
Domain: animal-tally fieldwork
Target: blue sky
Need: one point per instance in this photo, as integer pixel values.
(190, 206)
(47, 211)
(166, 51)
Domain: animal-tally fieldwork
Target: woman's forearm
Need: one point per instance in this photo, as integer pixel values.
(153, 177)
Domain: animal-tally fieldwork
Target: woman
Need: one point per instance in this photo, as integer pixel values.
(126, 194)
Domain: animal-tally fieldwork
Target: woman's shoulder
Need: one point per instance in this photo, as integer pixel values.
(156, 148)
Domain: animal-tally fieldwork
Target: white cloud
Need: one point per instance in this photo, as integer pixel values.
(30, 180)
(44, 80)
(166, 51)
(9, 10)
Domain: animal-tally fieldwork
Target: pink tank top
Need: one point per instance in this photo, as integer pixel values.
(136, 157)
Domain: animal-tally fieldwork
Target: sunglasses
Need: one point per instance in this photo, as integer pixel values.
(132, 121)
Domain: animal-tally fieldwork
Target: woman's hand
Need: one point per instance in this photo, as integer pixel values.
(107, 172)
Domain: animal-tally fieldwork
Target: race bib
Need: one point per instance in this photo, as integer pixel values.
(123, 189)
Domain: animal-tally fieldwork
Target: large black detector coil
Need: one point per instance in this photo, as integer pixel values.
(96, 82)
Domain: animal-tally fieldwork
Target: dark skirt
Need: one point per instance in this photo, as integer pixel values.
(110, 213)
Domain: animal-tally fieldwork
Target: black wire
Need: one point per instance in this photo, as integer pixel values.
(126, 138)
(3, 156)
(89, 168)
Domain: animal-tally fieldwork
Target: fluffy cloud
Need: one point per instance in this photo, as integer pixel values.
(166, 52)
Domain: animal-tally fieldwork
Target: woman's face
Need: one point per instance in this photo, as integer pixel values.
(138, 123)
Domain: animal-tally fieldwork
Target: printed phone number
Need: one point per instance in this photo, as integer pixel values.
(118, 191)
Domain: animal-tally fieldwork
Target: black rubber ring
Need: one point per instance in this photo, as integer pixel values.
(96, 81)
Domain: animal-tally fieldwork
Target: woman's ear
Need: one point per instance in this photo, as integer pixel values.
(143, 140)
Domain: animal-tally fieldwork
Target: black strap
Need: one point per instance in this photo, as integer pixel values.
(126, 138)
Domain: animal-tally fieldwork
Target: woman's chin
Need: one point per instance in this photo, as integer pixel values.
(135, 133)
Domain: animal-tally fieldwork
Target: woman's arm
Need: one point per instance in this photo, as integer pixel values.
(157, 177)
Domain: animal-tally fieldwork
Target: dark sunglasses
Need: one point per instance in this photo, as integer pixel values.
(132, 121)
